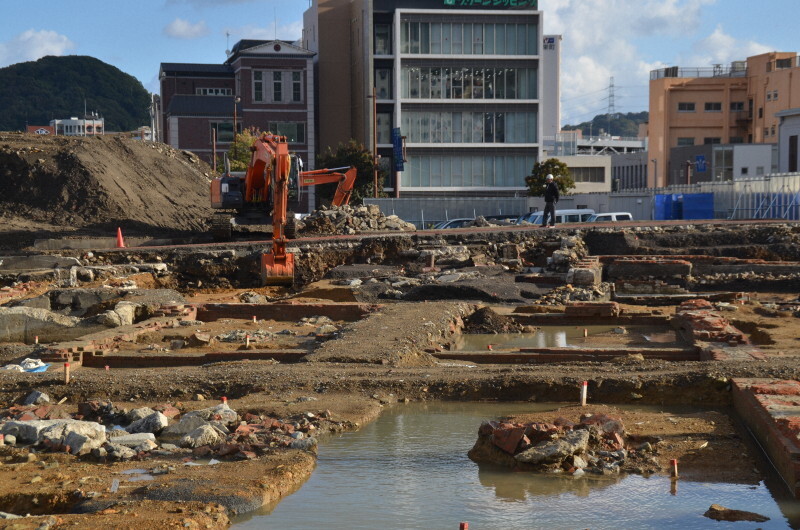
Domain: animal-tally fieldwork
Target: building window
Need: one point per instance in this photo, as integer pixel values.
(384, 127)
(737, 106)
(258, 86)
(383, 82)
(588, 174)
(783, 63)
(760, 112)
(213, 92)
(224, 131)
(277, 86)
(467, 170)
(774, 95)
(772, 131)
(294, 132)
(769, 96)
(470, 127)
(466, 83)
(685, 107)
(683, 142)
(383, 39)
(744, 171)
(713, 106)
(297, 87)
(464, 38)
(736, 140)
(709, 140)
(766, 132)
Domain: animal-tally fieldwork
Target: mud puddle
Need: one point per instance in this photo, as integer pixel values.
(409, 469)
(572, 336)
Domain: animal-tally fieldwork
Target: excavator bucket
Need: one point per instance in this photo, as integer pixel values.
(277, 271)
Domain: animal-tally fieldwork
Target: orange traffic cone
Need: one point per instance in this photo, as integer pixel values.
(120, 241)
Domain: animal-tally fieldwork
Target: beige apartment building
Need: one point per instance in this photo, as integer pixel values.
(718, 105)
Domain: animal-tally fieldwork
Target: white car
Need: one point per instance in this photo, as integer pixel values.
(610, 217)
(458, 222)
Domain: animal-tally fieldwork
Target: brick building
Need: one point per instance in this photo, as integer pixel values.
(268, 85)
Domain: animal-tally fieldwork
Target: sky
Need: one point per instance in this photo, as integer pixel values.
(623, 39)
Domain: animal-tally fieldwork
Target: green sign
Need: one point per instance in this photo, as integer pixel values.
(532, 4)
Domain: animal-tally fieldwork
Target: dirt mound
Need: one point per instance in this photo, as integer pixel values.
(103, 181)
(485, 320)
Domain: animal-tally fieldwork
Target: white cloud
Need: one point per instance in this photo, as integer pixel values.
(33, 44)
(626, 39)
(183, 29)
(721, 48)
(291, 31)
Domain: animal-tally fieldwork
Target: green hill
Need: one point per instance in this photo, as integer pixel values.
(36, 92)
(621, 124)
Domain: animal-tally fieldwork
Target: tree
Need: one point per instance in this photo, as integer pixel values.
(552, 166)
(352, 154)
(239, 153)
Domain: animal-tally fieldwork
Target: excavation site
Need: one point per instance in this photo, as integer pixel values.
(640, 374)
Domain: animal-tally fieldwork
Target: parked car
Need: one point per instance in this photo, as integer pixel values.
(577, 215)
(610, 217)
(458, 222)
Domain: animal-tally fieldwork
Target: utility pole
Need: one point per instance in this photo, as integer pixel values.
(375, 156)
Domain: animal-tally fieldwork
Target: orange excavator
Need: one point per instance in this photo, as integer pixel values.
(247, 200)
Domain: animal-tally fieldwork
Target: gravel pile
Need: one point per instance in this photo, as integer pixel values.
(351, 220)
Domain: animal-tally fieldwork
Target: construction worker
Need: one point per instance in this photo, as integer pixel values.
(550, 201)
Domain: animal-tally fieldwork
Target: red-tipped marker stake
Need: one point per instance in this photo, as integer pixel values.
(247, 340)
(585, 332)
(66, 373)
(674, 463)
(224, 400)
(254, 319)
(36, 339)
(463, 526)
(107, 368)
(584, 390)
(488, 346)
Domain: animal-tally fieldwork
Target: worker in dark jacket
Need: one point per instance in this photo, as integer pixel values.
(550, 201)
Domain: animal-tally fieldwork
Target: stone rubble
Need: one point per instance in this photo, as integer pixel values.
(597, 444)
(350, 220)
(217, 431)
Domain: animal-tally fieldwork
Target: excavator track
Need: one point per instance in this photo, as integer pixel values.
(221, 228)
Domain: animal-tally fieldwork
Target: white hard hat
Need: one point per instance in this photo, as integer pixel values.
(549, 177)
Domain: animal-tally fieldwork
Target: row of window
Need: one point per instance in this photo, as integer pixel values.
(588, 174)
(711, 106)
(465, 171)
(469, 127)
(772, 96)
(277, 86)
(769, 131)
(468, 83)
(466, 39)
(708, 140)
(294, 132)
(213, 92)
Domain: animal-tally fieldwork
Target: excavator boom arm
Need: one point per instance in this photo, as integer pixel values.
(345, 176)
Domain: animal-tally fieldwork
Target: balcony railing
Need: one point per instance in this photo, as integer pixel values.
(714, 71)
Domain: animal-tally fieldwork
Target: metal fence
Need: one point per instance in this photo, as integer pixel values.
(775, 196)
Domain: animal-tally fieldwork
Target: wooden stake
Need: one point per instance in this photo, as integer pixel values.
(584, 391)
(66, 373)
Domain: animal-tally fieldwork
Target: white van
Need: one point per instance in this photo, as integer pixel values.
(577, 215)
(610, 217)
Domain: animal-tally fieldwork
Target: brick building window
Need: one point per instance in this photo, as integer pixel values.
(713, 106)
(258, 86)
(277, 86)
(294, 132)
(685, 107)
(683, 142)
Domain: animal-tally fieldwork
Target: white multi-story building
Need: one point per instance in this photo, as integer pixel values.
(88, 126)
(460, 80)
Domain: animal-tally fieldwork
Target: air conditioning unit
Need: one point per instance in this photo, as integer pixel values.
(739, 66)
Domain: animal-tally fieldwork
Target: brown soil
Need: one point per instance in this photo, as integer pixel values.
(57, 186)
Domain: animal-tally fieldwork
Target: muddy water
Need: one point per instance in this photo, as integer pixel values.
(571, 336)
(409, 469)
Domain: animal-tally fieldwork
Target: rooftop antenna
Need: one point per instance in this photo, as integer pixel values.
(227, 43)
(276, 22)
(611, 106)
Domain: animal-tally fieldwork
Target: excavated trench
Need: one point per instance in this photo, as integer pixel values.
(412, 301)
